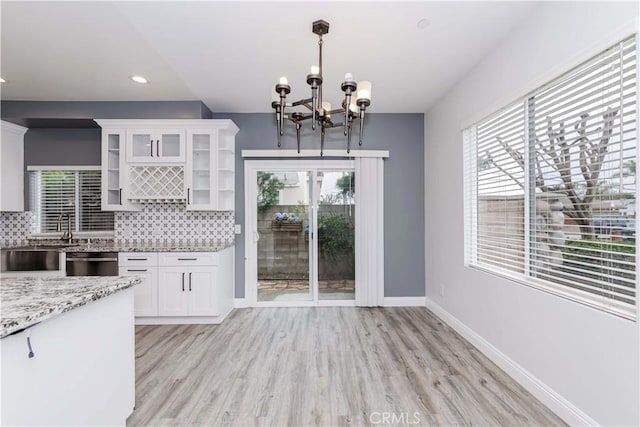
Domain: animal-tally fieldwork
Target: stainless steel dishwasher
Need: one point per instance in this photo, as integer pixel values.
(92, 263)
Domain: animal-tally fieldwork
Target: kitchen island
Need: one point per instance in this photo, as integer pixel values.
(67, 350)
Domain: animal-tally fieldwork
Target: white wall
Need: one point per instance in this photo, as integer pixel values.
(588, 360)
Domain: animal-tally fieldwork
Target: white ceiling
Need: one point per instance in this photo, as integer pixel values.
(230, 54)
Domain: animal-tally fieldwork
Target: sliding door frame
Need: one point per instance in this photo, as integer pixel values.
(251, 168)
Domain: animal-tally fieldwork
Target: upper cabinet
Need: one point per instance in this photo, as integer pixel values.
(12, 167)
(115, 189)
(184, 161)
(210, 170)
(201, 169)
(155, 145)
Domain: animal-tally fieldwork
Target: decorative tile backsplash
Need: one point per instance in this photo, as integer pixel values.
(15, 228)
(171, 224)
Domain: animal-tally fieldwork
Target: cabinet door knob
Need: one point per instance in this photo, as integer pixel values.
(121, 196)
(182, 282)
(188, 196)
(189, 282)
(151, 144)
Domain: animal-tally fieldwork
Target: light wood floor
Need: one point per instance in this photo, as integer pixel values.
(328, 366)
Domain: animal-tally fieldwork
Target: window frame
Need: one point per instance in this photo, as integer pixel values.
(470, 194)
(76, 234)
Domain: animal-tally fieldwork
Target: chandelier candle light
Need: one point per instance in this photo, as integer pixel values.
(357, 97)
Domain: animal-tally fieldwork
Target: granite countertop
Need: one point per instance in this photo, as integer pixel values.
(110, 246)
(148, 247)
(26, 301)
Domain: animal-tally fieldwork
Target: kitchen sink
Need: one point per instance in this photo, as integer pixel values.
(32, 258)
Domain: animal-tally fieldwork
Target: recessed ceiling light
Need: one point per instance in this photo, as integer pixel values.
(423, 23)
(2, 80)
(139, 79)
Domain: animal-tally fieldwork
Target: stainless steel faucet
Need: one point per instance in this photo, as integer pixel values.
(67, 234)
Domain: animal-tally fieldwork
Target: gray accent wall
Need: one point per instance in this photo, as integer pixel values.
(60, 147)
(403, 136)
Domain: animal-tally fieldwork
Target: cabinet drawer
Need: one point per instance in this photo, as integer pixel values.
(187, 258)
(137, 259)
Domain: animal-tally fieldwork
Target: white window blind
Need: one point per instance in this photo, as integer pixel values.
(551, 185)
(500, 190)
(72, 192)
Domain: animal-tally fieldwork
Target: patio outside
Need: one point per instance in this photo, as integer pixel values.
(284, 247)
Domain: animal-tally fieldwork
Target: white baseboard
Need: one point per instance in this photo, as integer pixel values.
(558, 404)
(180, 320)
(388, 302)
(403, 302)
(240, 303)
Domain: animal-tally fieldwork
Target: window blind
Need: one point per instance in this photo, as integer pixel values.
(500, 190)
(72, 192)
(584, 128)
(551, 184)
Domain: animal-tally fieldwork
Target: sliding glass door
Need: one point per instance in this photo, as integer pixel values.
(304, 234)
(336, 236)
(283, 221)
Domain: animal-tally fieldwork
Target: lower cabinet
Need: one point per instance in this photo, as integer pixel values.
(181, 287)
(187, 291)
(144, 265)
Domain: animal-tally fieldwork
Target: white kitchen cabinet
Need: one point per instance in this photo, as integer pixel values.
(190, 161)
(146, 293)
(210, 172)
(12, 167)
(181, 287)
(155, 145)
(115, 174)
(202, 298)
(172, 299)
(226, 172)
(201, 173)
(144, 265)
(188, 290)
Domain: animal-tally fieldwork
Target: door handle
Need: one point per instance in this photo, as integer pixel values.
(182, 282)
(151, 144)
(137, 271)
(188, 196)
(189, 282)
(157, 147)
(121, 196)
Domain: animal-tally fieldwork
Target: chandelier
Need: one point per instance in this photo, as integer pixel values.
(357, 97)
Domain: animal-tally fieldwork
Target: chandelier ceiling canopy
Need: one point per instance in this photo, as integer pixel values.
(357, 97)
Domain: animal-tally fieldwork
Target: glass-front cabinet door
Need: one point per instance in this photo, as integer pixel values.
(201, 169)
(114, 172)
(155, 146)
